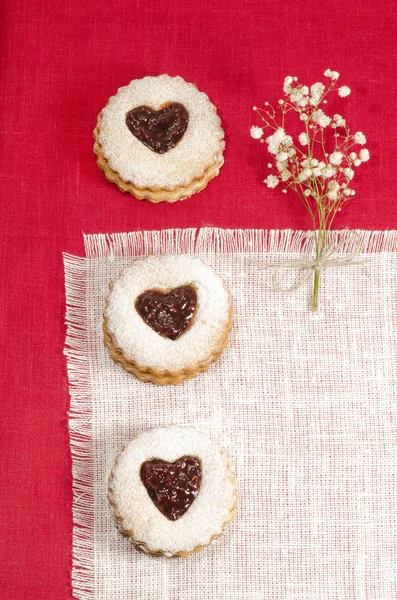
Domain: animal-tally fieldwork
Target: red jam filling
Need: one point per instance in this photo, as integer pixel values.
(170, 314)
(172, 486)
(159, 130)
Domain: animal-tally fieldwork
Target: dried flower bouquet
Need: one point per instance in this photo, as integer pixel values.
(321, 165)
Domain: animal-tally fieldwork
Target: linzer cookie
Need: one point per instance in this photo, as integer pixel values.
(173, 491)
(167, 318)
(159, 139)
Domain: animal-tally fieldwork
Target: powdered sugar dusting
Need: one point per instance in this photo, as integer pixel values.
(208, 513)
(199, 148)
(138, 341)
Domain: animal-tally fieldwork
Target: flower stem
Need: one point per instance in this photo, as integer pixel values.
(320, 237)
(315, 290)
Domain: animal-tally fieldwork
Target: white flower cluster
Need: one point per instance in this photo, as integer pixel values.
(344, 91)
(279, 140)
(338, 121)
(320, 118)
(364, 155)
(271, 181)
(360, 138)
(326, 178)
(336, 158)
(303, 139)
(333, 190)
(317, 90)
(256, 132)
(301, 96)
(313, 167)
(333, 74)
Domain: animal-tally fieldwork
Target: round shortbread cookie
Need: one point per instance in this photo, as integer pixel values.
(167, 318)
(173, 491)
(156, 152)
(156, 196)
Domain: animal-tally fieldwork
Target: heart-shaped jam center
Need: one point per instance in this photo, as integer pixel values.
(160, 130)
(168, 313)
(172, 486)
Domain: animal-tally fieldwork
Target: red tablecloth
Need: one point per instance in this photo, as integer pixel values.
(60, 61)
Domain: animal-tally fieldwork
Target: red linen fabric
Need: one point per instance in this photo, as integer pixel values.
(60, 61)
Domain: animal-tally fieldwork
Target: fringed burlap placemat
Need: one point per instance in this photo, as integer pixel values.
(304, 403)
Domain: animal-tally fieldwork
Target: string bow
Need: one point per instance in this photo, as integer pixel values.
(307, 266)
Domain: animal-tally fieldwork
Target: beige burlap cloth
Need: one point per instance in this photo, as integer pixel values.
(305, 404)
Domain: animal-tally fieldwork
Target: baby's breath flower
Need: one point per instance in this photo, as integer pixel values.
(271, 181)
(303, 139)
(310, 162)
(333, 185)
(275, 140)
(305, 174)
(279, 137)
(360, 138)
(256, 132)
(316, 90)
(328, 172)
(299, 96)
(317, 171)
(322, 119)
(333, 190)
(295, 95)
(344, 91)
(303, 101)
(287, 84)
(349, 173)
(339, 122)
(364, 155)
(327, 181)
(285, 175)
(333, 74)
(336, 158)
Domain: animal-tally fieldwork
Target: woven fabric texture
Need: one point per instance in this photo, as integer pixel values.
(60, 62)
(303, 402)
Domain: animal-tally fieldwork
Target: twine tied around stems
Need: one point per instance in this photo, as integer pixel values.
(316, 265)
